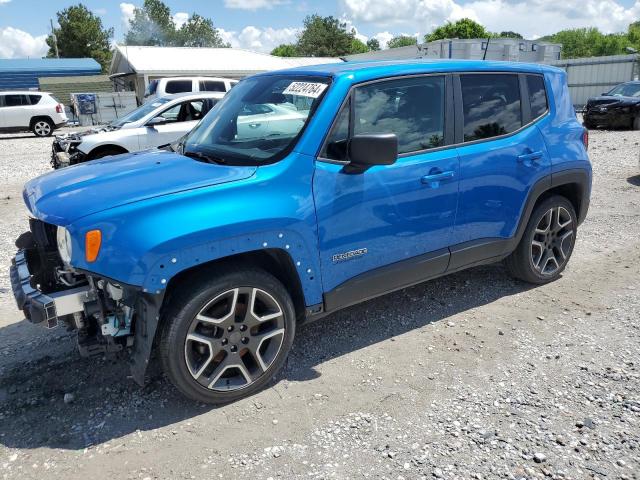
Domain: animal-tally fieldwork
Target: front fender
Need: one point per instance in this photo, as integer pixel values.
(147, 243)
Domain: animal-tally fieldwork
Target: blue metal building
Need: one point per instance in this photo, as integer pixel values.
(23, 73)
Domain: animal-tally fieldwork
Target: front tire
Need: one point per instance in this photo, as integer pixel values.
(547, 242)
(226, 336)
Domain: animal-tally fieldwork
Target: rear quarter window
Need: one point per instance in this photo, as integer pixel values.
(491, 105)
(179, 86)
(537, 95)
(35, 99)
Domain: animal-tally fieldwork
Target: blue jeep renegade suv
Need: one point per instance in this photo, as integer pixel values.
(302, 192)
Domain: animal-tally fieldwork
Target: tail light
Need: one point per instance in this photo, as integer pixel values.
(585, 139)
(59, 108)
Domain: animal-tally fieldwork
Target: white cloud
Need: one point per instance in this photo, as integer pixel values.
(126, 12)
(180, 18)
(259, 39)
(383, 38)
(497, 15)
(253, 4)
(4, 1)
(15, 43)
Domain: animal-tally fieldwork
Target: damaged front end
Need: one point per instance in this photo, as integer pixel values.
(65, 151)
(108, 316)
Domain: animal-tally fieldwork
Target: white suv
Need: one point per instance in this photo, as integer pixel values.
(39, 112)
(159, 122)
(166, 86)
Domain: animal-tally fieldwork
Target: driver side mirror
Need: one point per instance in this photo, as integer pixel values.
(365, 151)
(156, 121)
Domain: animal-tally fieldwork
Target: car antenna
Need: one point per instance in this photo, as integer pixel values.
(484, 57)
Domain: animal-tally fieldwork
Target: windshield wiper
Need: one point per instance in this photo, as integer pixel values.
(204, 157)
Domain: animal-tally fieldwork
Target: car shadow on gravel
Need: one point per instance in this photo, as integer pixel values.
(104, 404)
(634, 180)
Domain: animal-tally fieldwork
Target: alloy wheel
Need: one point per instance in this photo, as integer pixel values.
(234, 339)
(42, 128)
(552, 241)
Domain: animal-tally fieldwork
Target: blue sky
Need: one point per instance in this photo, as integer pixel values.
(262, 24)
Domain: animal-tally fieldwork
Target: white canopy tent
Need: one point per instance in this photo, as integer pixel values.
(135, 66)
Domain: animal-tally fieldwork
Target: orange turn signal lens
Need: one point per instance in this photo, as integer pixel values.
(93, 240)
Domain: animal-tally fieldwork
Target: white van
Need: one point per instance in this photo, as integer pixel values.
(166, 86)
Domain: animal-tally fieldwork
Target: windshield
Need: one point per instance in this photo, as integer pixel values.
(258, 121)
(626, 90)
(139, 112)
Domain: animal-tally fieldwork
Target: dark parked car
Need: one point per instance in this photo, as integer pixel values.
(618, 108)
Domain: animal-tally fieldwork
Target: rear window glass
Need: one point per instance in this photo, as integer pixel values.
(491, 105)
(537, 95)
(35, 99)
(211, 86)
(179, 86)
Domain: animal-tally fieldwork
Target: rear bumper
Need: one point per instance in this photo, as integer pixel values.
(38, 307)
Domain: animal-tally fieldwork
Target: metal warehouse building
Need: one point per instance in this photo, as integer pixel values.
(23, 73)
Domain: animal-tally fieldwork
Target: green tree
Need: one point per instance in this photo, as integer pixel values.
(285, 50)
(373, 44)
(509, 34)
(402, 41)
(463, 28)
(80, 34)
(589, 42)
(199, 32)
(358, 46)
(153, 25)
(325, 37)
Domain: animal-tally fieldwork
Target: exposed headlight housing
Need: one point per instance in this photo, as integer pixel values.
(63, 239)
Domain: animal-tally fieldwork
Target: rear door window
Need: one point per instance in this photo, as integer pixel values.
(16, 100)
(179, 86)
(491, 105)
(537, 95)
(211, 86)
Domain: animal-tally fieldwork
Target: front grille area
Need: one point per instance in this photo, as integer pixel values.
(42, 255)
(44, 234)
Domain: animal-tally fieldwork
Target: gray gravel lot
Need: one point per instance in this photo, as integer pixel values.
(472, 376)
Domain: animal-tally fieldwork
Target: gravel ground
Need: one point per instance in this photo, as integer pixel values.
(472, 376)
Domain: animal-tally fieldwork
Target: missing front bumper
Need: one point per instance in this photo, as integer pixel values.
(41, 308)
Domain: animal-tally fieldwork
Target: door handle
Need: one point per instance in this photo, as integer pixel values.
(434, 179)
(530, 157)
(254, 125)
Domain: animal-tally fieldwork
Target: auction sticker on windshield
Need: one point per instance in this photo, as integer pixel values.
(305, 89)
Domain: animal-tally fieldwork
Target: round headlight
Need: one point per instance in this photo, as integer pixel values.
(64, 244)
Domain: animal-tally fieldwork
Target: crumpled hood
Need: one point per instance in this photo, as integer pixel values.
(64, 195)
(612, 100)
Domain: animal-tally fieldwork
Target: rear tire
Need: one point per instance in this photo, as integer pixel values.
(547, 243)
(226, 336)
(42, 127)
